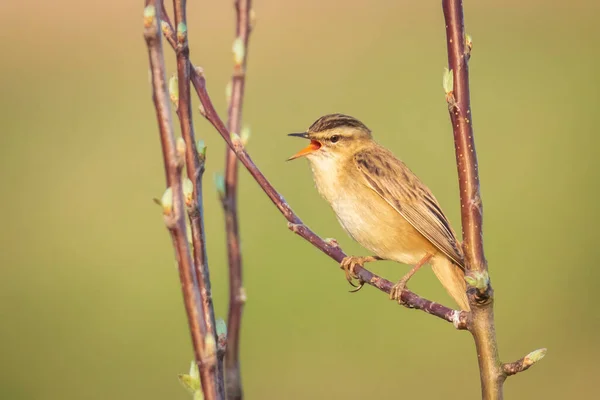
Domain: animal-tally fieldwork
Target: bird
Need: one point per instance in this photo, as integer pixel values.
(381, 204)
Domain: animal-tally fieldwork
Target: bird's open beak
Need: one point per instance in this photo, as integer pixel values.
(313, 146)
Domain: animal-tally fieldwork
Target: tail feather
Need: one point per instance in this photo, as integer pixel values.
(452, 278)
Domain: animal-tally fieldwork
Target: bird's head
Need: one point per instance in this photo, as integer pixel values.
(333, 135)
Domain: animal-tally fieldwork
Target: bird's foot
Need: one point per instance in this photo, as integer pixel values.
(349, 263)
(398, 288)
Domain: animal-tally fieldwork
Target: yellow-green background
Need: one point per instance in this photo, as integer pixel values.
(90, 301)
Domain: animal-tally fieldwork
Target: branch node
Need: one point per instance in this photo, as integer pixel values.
(294, 227)
(332, 242)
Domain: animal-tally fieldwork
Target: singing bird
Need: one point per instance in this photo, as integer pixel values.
(382, 204)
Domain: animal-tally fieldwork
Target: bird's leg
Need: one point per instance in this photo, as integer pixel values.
(399, 287)
(349, 263)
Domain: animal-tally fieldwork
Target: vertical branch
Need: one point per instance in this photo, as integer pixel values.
(481, 295)
(173, 206)
(237, 295)
(195, 167)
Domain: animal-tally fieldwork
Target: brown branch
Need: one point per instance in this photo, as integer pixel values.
(237, 296)
(481, 299)
(173, 155)
(195, 160)
(481, 294)
(408, 298)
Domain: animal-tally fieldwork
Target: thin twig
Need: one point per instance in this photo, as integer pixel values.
(408, 298)
(237, 296)
(195, 160)
(524, 363)
(173, 156)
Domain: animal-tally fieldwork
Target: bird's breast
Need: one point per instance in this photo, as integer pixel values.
(368, 218)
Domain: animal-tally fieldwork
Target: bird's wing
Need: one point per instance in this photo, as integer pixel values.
(391, 179)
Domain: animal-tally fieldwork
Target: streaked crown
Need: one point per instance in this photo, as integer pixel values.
(339, 122)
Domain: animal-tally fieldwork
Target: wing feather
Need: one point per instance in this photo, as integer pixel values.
(391, 179)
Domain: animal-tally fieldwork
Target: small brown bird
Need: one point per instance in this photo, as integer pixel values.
(381, 204)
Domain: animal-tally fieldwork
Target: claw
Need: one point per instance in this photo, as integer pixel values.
(348, 265)
(360, 286)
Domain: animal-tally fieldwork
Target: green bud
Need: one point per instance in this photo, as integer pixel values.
(181, 32)
(149, 15)
(448, 81)
(191, 381)
(166, 201)
(245, 135)
(235, 138)
(534, 357)
(220, 184)
(239, 51)
(188, 192)
(201, 148)
(174, 90)
(221, 327)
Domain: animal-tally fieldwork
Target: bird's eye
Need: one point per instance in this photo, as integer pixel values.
(334, 139)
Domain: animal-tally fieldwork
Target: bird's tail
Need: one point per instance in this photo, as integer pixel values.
(452, 278)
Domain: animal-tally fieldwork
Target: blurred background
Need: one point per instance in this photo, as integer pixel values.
(91, 305)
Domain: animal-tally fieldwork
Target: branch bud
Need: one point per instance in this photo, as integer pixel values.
(188, 192)
(149, 16)
(245, 136)
(191, 381)
(174, 91)
(239, 51)
(478, 280)
(166, 201)
(180, 151)
(201, 148)
(166, 29)
(448, 81)
(220, 184)
(181, 33)
(534, 357)
(468, 45)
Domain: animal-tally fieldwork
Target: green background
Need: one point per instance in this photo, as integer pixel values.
(90, 300)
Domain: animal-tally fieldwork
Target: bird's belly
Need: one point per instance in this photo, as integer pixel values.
(379, 228)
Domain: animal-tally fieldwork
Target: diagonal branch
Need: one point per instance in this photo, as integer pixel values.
(173, 207)
(408, 298)
(237, 296)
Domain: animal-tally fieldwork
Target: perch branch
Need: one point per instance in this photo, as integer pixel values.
(481, 294)
(173, 156)
(237, 296)
(481, 298)
(409, 299)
